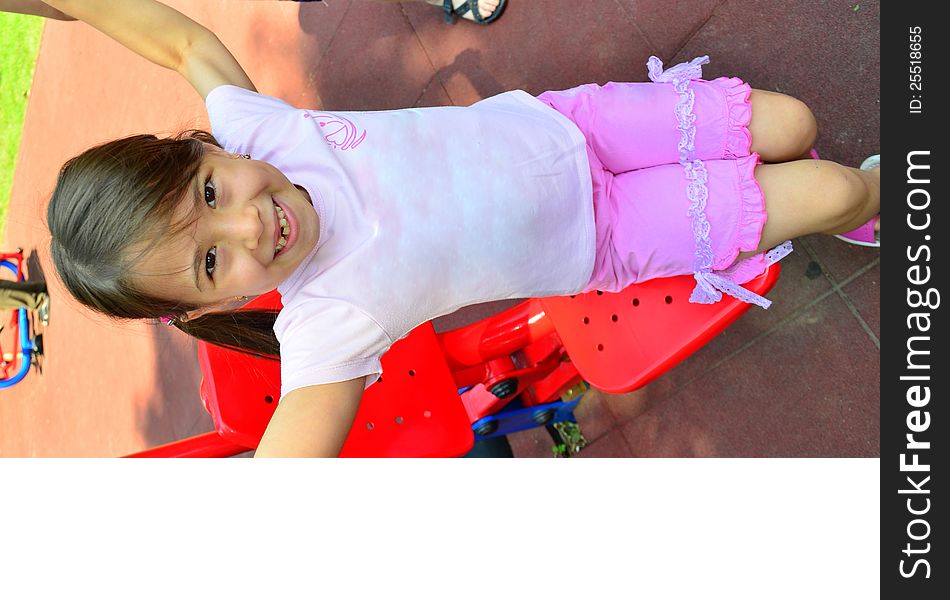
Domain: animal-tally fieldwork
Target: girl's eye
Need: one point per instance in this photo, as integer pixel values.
(210, 197)
(210, 259)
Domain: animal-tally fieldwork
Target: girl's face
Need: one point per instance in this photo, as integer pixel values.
(252, 229)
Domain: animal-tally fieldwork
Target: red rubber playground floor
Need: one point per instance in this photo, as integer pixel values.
(798, 380)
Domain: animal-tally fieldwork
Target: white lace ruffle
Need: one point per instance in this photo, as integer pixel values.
(778, 253)
(709, 285)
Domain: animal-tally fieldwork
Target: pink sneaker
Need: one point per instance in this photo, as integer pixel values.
(865, 234)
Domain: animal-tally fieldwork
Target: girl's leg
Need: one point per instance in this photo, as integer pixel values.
(782, 128)
(645, 229)
(814, 196)
(631, 126)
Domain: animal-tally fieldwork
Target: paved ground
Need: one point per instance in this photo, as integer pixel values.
(801, 379)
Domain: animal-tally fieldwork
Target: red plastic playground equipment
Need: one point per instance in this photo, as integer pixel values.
(525, 367)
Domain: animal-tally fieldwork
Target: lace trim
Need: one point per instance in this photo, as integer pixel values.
(709, 285)
(778, 253)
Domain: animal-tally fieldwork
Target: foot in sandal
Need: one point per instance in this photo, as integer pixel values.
(868, 234)
(482, 12)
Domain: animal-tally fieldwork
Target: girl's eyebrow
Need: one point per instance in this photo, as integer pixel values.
(195, 265)
(196, 261)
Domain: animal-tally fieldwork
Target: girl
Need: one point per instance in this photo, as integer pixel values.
(372, 223)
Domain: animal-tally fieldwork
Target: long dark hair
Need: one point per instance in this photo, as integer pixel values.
(112, 198)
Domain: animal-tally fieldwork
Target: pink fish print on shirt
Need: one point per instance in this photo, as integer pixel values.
(338, 131)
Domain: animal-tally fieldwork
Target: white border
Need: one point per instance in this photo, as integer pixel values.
(447, 529)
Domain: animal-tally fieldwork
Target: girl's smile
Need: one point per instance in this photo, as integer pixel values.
(247, 229)
(286, 224)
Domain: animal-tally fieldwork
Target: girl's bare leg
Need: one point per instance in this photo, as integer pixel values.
(804, 196)
(783, 128)
(814, 196)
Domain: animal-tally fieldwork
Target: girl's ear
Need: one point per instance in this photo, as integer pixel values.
(200, 312)
(211, 148)
(223, 306)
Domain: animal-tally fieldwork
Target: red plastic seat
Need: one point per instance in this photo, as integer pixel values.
(414, 411)
(617, 342)
(620, 342)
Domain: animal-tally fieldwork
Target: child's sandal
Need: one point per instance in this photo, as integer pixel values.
(470, 6)
(865, 234)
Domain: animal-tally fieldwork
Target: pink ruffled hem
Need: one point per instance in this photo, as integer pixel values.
(747, 269)
(738, 142)
(752, 218)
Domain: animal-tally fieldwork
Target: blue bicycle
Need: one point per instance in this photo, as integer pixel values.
(20, 349)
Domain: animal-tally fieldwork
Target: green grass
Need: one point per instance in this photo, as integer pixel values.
(19, 45)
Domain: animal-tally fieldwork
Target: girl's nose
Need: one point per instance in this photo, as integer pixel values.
(245, 227)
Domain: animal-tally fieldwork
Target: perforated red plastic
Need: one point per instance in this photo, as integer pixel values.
(414, 411)
(620, 342)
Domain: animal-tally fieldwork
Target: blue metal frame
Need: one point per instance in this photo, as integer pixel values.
(516, 417)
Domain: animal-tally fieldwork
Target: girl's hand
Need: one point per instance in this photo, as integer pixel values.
(164, 36)
(33, 7)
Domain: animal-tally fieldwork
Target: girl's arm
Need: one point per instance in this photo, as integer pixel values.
(312, 421)
(33, 7)
(164, 36)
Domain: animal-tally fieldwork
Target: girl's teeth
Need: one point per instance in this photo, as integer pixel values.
(284, 228)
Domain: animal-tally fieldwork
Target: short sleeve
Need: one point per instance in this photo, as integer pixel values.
(326, 340)
(236, 114)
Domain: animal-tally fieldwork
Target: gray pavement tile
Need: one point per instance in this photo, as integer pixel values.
(839, 259)
(580, 42)
(433, 94)
(531, 443)
(593, 416)
(374, 61)
(865, 293)
(668, 25)
(811, 389)
(825, 53)
(611, 445)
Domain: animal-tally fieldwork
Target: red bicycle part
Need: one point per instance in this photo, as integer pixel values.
(16, 359)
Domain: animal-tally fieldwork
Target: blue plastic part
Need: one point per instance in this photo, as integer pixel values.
(515, 417)
(26, 344)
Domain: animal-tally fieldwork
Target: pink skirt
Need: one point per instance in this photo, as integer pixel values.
(642, 198)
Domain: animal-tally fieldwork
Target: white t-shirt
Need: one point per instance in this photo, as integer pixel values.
(422, 211)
